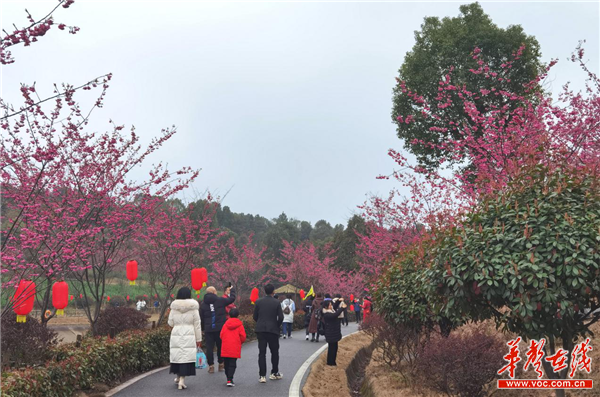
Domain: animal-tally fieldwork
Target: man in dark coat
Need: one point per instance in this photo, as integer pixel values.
(268, 316)
(307, 315)
(213, 316)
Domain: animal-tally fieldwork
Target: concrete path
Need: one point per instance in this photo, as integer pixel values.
(292, 354)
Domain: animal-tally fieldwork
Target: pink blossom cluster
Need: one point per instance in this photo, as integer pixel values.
(31, 33)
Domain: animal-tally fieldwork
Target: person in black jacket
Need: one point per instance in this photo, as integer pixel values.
(333, 329)
(213, 316)
(307, 315)
(268, 316)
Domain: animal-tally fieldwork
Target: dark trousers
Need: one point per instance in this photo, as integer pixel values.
(345, 319)
(230, 366)
(272, 340)
(211, 339)
(332, 350)
(313, 336)
(358, 316)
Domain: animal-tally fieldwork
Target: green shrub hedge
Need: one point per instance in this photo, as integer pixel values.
(97, 360)
(101, 359)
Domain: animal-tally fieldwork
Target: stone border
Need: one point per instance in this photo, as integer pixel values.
(296, 385)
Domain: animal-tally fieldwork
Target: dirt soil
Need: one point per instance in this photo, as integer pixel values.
(325, 380)
(387, 383)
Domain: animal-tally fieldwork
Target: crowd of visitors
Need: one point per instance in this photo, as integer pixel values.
(217, 318)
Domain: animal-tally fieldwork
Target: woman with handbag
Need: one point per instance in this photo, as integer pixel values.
(186, 336)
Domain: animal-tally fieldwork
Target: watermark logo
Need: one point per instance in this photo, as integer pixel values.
(579, 361)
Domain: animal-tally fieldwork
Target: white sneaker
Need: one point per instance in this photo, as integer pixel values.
(262, 379)
(306, 337)
(276, 376)
(284, 337)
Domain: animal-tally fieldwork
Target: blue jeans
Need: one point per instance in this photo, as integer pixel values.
(287, 329)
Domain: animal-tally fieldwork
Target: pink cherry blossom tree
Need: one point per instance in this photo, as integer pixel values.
(243, 266)
(172, 242)
(69, 204)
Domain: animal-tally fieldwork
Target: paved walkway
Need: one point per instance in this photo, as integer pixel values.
(292, 354)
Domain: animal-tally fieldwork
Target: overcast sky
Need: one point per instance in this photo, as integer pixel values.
(284, 105)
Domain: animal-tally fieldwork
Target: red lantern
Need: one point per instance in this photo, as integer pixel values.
(80, 296)
(351, 297)
(145, 296)
(60, 297)
(254, 295)
(127, 298)
(197, 279)
(23, 300)
(172, 295)
(108, 298)
(71, 297)
(302, 294)
(132, 272)
(198, 296)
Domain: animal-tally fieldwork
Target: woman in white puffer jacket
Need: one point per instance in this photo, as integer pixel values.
(186, 336)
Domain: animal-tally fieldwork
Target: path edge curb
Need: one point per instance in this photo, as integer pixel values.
(131, 381)
(296, 384)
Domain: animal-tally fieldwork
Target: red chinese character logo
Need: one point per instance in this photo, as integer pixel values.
(584, 363)
(535, 354)
(558, 360)
(512, 357)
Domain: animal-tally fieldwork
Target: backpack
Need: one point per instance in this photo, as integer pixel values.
(287, 309)
(319, 314)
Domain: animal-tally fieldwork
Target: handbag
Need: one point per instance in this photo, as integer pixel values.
(200, 359)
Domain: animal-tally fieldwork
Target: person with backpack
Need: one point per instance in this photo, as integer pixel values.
(307, 315)
(213, 315)
(315, 319)
(333, 329)
(289, 308)
(233, 335)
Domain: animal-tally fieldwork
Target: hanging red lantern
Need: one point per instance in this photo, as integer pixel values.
(132, 271)
(80, 296)
(60, 297)
(254, 295)
(23, 300)
(127, 297)
(302, 294)
(172, 295)
(351, 297)
(108, 298)
(198, 296)
(71, 297)
(197, 279)
(145, 296)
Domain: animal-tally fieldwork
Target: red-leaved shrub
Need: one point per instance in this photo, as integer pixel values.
(400, 346)
(25, 343)
(461, 364)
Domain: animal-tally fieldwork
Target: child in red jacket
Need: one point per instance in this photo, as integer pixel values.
(233, 335)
